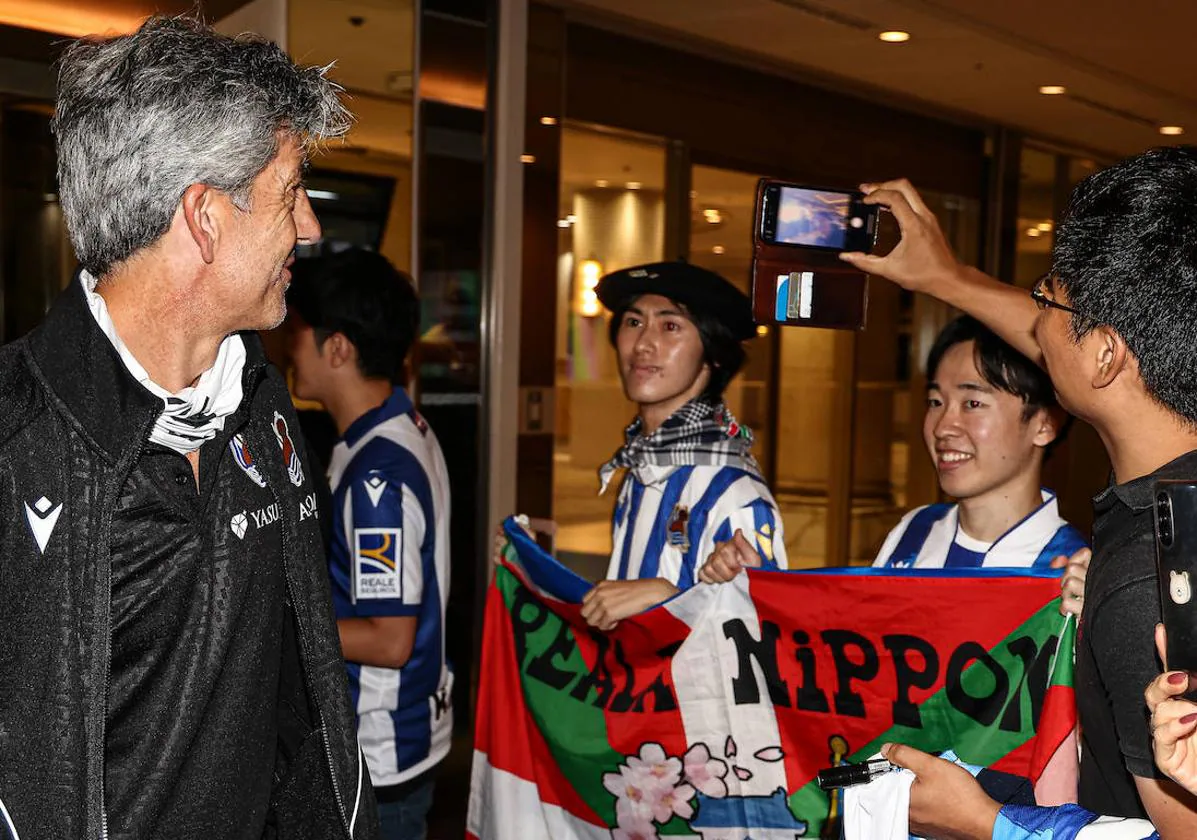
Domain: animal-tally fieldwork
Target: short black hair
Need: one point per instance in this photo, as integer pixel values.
(722, 351)
(1001, 366)
(359, 294)
(1126, 255)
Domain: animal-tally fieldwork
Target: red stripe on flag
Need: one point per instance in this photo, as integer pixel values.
(504, 727)
(1056, 721)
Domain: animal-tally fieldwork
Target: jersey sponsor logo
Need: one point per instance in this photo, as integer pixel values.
(764, 541)
(375, 486)
(307, 507)
(442, 703)
(240, 524)
(377, 572)
(259, 518)
(290, 456)
(677, 531)
(42, 518)
(245, 460)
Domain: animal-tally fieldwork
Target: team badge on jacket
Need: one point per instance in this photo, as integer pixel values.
(678, 531)
(246, 461)
(290, 456)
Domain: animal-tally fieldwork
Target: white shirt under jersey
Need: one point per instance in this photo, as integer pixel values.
(925, 537)
(668, 520)
(390, 557)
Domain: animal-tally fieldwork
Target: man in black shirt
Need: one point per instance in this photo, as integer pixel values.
(169, 667)
(1114, 324)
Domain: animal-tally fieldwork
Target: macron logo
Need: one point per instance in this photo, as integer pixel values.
(42, 517)
(375, 486)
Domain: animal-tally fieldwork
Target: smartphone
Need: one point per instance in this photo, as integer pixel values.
(816, 217)
(1176, 567)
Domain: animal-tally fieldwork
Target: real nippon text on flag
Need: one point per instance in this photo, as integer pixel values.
(710, 715)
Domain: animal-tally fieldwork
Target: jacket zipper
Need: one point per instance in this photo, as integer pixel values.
(143, 439)
(303, 645)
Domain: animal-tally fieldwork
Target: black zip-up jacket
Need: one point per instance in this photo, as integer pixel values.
(73, 422)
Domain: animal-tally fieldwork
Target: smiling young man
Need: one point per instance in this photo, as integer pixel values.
(354, 318)
(1114, 325)
(691, 483)
(991, 419)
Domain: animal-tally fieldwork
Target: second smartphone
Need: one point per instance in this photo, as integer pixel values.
(816, 217)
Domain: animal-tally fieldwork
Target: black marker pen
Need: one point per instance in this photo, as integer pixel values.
(846, 775)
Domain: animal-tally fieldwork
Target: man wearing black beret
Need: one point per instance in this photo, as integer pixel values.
(691, 482)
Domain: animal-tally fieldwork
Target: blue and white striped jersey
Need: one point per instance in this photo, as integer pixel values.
(669, 518)
(390, 557)
(929, 538)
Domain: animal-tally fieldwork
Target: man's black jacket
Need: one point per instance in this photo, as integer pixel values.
(73, 422)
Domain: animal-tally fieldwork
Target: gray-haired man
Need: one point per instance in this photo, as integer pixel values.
(169, 666)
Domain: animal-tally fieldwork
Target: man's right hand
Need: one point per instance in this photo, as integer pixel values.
(729, 559)
(922, 260)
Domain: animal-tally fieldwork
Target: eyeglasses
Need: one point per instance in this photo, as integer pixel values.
(1040, 296)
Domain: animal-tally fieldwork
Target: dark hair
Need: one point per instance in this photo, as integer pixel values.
(1001, 366)
(721, 350)
(1126, 255)
(359, 294)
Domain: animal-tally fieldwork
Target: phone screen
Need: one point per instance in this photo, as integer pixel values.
(817, 218)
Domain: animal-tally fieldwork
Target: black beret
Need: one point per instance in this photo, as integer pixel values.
(695, 288)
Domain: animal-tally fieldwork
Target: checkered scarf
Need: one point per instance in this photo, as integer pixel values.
(701, 432)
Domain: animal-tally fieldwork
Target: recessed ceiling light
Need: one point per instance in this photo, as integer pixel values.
(1034, 232)
(572, 219)
(894, 36)
(1171, 130)
(1053, 90)
(717, 250)
(548, 120)
(322, 195)
(633, 185)
(602, 182)
(563, 223)
(1044, 226)
(762, 331)
(527, 158)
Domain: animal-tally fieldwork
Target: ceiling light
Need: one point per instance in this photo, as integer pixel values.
(563, 223)
(602, 182)
(322, 195)
(548, 120)
(1034, 232)
(718, 250)
(527, 158)
(572, 219)
(1171, 130)
(762, 331)
(1044, 226)
(633, 185)
(1053, 90)
(712, 216)
(894, 36)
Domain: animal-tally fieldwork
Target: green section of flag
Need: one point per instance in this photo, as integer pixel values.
(575, 731)
(973, 741)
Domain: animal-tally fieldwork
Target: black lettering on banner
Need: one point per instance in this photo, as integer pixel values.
(626, 697)
(659, 693)
(744, 686)
(810, 697)
(543, 667)
(1036, 665)
(847, 701)
(528, 615)
(599, 678)
(984, 710)
(900, 645)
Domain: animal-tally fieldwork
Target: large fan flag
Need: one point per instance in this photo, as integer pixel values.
(711, 714)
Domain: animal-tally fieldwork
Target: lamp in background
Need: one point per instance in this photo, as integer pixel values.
(588, 305)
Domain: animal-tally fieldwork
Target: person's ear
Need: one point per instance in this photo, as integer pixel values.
(1111, 356)
(202, 215)
(1046, 423)
(340, 350)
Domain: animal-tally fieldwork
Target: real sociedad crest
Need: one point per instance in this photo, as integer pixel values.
(290, 456)
(246, 461)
